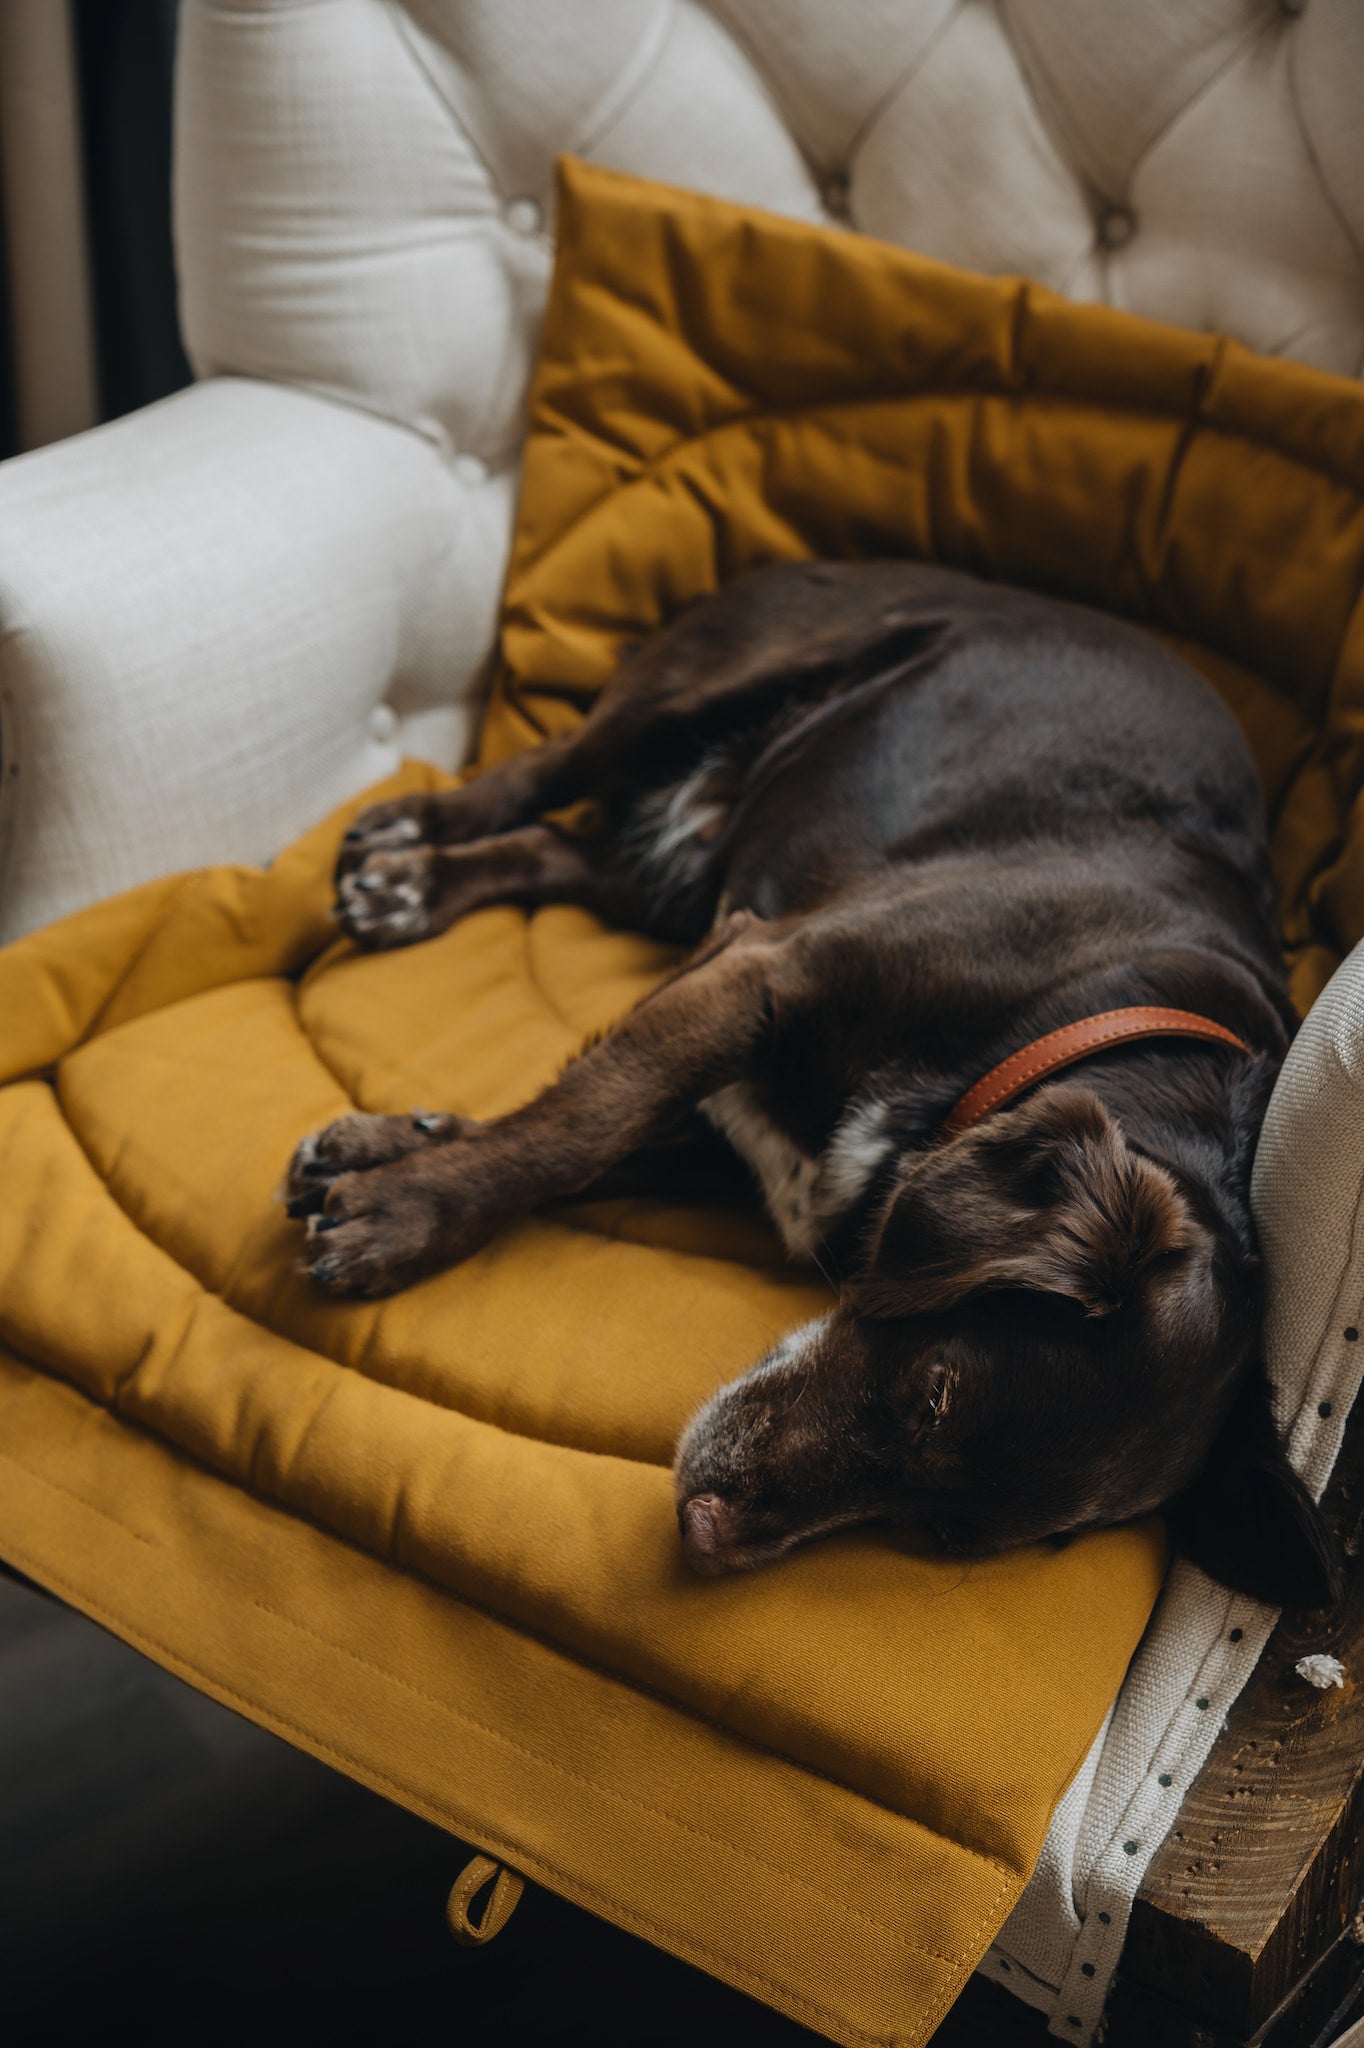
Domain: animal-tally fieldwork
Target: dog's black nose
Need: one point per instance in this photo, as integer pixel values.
(707, 1527)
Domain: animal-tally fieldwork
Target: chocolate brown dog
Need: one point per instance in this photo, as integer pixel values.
(910, 823)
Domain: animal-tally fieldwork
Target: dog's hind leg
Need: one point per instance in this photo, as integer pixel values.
(380, 1229)
(395, 897)
(788, 628)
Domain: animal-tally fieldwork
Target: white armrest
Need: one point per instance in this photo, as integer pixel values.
(203, 608)
(1308, 1196)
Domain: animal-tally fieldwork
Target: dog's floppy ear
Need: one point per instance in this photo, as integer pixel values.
(1046, 1197)
(1249, 1521)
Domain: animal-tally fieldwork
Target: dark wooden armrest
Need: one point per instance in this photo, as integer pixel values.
(1247, 1927)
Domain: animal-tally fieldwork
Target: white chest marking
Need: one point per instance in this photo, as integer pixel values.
(804, 1196)
(858, 1147)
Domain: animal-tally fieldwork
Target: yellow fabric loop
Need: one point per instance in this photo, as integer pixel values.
(507, 1889)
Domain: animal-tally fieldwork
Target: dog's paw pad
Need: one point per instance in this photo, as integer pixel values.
(387, 901)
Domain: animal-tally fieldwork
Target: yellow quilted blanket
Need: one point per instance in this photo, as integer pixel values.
(431, 1539)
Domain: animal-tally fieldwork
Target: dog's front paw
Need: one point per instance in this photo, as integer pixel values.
(381, 1230)
(357, 1144)
(404, 821)
(392, 899)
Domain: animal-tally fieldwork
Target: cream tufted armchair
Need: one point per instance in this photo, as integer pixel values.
(220, 616)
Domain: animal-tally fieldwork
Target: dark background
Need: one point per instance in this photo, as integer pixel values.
(125, 56)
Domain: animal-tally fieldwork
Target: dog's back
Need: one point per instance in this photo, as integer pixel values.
(995, 722)
(930, 716)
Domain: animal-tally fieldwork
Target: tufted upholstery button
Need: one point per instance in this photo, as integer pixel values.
(1292, 6)
(524, 216)
(1116, 226)
(836, 195)
(383, 724)
(470, 469)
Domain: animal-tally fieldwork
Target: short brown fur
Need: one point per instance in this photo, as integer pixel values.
(907, 822)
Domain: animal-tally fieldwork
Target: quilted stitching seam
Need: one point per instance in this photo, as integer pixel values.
(70, 1493)
(642, 1805)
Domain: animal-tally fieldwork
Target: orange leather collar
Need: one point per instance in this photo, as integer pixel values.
(1032, 1063)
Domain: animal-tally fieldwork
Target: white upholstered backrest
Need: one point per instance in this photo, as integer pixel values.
(364, 186)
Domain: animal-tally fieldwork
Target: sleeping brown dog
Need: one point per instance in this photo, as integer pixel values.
(909, 823)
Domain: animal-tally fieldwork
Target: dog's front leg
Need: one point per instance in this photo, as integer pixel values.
(376, 1231)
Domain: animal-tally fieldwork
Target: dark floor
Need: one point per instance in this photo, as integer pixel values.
(167, 1866)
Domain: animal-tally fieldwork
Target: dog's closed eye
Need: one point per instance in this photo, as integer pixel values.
(929, 1398)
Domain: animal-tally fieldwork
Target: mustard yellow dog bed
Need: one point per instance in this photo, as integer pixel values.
(431, 1540)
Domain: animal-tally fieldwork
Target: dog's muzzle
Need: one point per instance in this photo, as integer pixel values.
(708, 1532)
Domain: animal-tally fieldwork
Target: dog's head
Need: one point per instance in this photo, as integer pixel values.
(1050, 1332)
